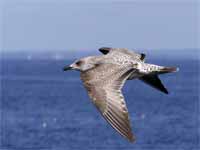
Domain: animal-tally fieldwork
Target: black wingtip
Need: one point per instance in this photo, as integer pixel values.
(165, 91)
(162, 89)
(105, 50)
(154, 81)
(142, 56)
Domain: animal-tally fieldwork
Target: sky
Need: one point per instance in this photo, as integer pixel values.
(43, 25)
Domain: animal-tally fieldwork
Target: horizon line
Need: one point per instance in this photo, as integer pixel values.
(90, 50)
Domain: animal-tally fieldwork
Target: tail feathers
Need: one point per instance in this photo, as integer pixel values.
(168, 70)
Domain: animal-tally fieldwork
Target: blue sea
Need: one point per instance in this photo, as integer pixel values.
(44, 108)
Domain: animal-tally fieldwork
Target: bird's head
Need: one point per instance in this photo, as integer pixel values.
(83, 64)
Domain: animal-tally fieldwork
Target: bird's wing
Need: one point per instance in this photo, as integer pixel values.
(105, 50)
(104, 84)
(134, 55)
(154, 81)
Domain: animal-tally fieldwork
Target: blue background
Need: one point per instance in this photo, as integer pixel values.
(44, 107)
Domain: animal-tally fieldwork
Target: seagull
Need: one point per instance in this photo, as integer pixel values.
(104, 76)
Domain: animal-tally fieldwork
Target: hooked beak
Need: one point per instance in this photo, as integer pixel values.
(66, 68)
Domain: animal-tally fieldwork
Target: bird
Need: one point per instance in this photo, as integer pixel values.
(104, 76)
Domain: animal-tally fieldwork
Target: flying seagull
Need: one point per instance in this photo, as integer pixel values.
(104, 76)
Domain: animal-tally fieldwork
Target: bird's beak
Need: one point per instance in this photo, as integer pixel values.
(68, 67)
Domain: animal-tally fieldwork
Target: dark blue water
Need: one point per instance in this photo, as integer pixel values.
(43, 107)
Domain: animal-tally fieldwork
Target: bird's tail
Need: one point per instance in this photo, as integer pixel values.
(150, 75)
(155, 69)
(162, 70)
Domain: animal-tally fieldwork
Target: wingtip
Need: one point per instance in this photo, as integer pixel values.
(142, 56)
(105, 50)
(165, 91)
(132, 139)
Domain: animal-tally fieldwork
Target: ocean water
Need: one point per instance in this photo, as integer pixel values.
(43, 107)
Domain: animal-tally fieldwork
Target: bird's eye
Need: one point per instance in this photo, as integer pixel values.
(78, 63)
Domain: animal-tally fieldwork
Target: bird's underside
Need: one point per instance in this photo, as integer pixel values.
(104, 88)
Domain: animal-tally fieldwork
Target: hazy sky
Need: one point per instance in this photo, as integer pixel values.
(81, 25)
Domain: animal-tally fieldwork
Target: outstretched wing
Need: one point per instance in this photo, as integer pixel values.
(107, 50)
(154, 81)
(104, 85)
